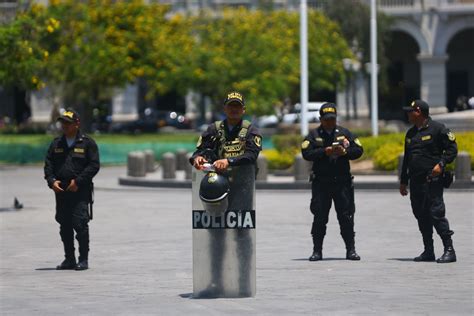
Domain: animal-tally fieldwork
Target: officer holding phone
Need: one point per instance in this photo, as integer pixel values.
(330, 147)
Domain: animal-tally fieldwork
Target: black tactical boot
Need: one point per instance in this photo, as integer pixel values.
(317, 249)
(351, 253)
(428, 253)
(449, 254)
(212, 291)
(68, 264)
(316, 256)
(82, 265)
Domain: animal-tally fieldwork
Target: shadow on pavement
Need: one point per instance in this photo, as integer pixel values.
(324, 259)
(401, 259)
(7, 209)
(46, 269)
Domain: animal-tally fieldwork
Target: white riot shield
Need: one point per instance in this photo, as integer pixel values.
(224, 263)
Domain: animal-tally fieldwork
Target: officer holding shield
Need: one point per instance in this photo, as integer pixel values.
(429, 147)
(330, 147)
(233, 142)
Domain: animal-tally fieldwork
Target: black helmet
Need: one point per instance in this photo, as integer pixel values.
(213, 192)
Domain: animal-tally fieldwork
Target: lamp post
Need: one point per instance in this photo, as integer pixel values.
(304, 66)
(373, 68)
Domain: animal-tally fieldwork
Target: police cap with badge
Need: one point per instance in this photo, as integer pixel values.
(418, 105)
(328, 111)
(69, 116)
(234, 98)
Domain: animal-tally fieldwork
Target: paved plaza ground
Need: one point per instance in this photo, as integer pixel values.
(141, 256)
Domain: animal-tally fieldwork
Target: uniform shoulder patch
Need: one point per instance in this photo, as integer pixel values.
(305, 144)
(451, 136)
(258, 140)
(357, 142)
(199, 142)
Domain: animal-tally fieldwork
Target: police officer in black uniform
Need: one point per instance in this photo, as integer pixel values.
(330, 147)
(228, 143)
(71, 163)
(429, 146)
(233, 141)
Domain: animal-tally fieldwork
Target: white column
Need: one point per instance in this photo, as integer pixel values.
(125, 104)
(433, 82)
(41, 104)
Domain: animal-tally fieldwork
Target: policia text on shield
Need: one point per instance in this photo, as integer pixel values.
(224, 219)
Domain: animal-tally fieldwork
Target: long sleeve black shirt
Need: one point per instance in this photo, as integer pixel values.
(80, 161)
(313, 149)
(425, 147)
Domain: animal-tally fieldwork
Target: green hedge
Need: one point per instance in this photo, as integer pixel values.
(286, 147)
(21, 149)
(386, 157)
(384, 150)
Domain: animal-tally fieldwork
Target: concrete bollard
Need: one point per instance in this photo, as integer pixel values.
(302, 168)
(462, 168)
(149, 160)
(262, 165)
(188, 168)
(400, 163)
(181, 159)
(168, 164)
(136, 165)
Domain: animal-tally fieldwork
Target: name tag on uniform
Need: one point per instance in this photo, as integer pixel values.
(319, 141)
(79, 150)
(58, 150)
(427, 137)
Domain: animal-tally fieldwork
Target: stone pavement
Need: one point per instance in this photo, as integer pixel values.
(141, 261)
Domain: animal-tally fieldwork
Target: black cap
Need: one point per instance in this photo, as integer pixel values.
(70, 116)
(418, 105)
(234, 97)
(328, 110)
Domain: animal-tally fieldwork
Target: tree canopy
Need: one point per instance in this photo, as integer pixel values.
(82, 50)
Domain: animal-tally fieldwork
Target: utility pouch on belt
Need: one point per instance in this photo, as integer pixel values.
(448, 178)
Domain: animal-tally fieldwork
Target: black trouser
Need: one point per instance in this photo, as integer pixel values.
(323, 193)
(72, 213)
(428, 207)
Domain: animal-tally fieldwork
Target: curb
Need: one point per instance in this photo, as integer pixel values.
(263, 185)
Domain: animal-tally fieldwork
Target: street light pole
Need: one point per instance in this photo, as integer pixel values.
(304, 66)
(373, 68)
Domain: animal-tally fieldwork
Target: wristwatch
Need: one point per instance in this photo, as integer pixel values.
(441, 164)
